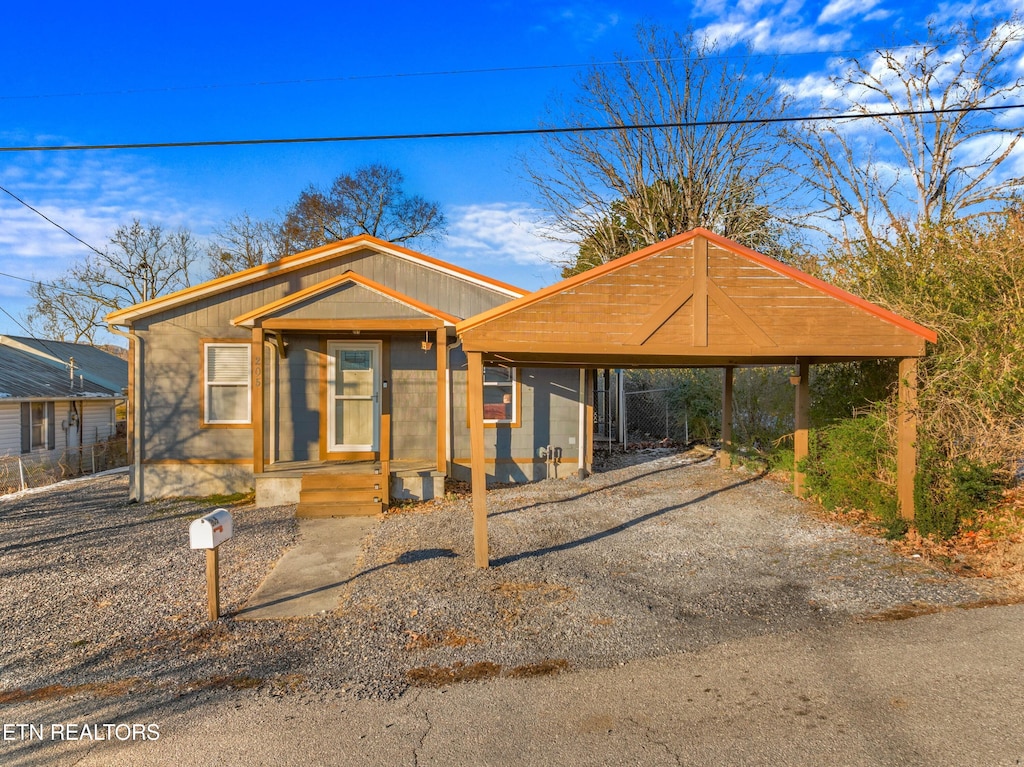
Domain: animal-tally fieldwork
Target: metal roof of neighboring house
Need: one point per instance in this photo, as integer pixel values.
(31, 368)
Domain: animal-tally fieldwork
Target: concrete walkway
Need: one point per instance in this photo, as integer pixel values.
(310, 576)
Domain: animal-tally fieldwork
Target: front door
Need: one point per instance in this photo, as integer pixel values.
(353, 396)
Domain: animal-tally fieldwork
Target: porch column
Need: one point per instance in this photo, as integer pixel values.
(906, 437)
(442, 399)
(725, 456)
(802, 424)
(476, 452)
(257, 400)
(588, 422)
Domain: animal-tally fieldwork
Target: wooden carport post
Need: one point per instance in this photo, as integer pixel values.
(725, 456)
(476, 452)
(801, 425)
(906, 437)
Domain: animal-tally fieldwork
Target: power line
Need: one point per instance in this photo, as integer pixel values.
(28, 334)
(50, 220)
(433, 73)
(31, 281)
(504, 133)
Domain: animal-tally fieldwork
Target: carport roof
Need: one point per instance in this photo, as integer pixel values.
(697, 299)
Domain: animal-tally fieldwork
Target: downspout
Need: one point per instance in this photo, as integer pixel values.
(134, 411)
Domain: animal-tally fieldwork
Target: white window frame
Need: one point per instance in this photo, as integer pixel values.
(513, 382)
(209, 385)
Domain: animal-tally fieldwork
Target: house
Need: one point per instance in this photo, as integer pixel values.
(333, 378)
(57, 396)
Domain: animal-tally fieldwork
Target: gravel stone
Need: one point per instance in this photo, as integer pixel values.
(660, 553)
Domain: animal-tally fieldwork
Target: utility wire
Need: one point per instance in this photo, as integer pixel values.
(28, 334)
(436, 73)
(50, 220)
(504, 133)
(31, 281)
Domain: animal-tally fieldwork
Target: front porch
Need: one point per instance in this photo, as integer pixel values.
(346, 488)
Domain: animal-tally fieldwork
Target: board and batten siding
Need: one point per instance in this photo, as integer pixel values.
(446, 292)
(550, 416)
(297, 400)
(171, 382)
(413, 391)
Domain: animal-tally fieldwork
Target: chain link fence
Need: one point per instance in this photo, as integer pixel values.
(21, 472)
(651, 416)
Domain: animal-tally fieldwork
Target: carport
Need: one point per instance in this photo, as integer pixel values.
(694, 300)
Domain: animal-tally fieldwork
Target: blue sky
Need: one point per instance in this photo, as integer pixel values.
(105, 72)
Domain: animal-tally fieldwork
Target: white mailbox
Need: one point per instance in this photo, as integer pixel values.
(210, 531)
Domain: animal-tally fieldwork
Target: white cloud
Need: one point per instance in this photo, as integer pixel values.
(90, 195)
(505, 241)
(840, 11)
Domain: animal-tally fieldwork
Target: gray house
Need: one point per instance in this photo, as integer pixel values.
(57, 396)
(333, 378)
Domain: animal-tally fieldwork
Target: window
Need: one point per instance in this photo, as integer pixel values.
(499, 394)
(226, 396)
(38, 426)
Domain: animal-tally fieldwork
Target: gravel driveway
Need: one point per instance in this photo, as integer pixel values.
(100, 597)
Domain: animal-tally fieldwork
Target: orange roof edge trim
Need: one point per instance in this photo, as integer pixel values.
(681, 239)
(249, 318)
(306, 257)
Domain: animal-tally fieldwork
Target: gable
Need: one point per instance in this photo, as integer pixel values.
(695, 298)
(450, 289)
(347, 297)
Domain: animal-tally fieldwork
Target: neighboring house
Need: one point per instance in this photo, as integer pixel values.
(334, 378)
(57, 396)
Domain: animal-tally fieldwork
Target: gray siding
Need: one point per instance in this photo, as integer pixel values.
(413, 390)
(550, 416)
(351, 302)
(442, 291)
(171, 383)
(298, 400)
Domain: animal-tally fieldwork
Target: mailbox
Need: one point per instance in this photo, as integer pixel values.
(210, 531)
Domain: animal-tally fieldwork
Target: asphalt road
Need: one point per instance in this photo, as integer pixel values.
(943, 689)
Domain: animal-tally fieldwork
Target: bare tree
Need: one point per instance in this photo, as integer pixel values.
(926, 165)
(141, 262)
(242, 243)
(700, 159)
(369, 201)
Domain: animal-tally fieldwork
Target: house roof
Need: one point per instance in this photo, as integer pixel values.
(401, 304)
(696, 298)
(25, 374)
(307, 258)
(99, 366)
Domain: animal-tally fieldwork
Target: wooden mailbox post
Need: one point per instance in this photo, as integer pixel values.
(208, 533)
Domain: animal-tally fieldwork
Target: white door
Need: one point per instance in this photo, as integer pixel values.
(353, 396)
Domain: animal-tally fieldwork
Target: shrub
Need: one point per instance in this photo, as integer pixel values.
(948, 492)
(851, 465)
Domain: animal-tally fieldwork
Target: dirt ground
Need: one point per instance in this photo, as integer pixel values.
(663, 553)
